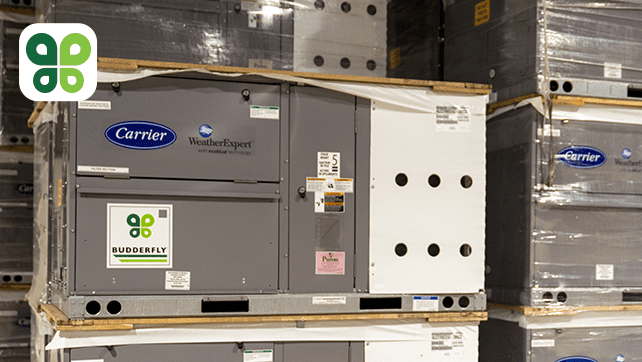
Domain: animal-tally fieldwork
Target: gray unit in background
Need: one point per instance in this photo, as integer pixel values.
(227, 352)
(15, 331)
(506, 341)
(241, 220)
(15, 108)
(562, 234)
(506, 44)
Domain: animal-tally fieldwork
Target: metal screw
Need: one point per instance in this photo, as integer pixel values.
(286, 208)
(372, 264)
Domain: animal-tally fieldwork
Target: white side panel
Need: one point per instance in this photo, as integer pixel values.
(446, 344)
(333, 35)
(418, 214)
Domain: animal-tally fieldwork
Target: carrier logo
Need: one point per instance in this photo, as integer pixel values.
(581, 157)
(140, 135)
(140, 226)
(620, 358)
(25, 189)
(576, 359)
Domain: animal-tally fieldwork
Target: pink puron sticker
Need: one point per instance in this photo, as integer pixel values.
(331, 262)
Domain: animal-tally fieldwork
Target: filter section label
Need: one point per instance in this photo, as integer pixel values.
(139, 236)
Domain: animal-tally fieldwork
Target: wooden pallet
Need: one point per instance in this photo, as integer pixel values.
(17, 148)
(557, 99)
(559, 310)
(128, 65)
(62, 323)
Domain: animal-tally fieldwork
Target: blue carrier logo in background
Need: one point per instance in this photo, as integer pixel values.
(205, 130)
(581, 157)
(620, 358)
(140, 135)
(576, 359)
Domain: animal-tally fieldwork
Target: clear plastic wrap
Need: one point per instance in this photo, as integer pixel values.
(509, 43)
(325, 36)
(502, 340)
(565, 232)
(15, 108)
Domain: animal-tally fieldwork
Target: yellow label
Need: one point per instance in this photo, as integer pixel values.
(482, 12)
(395, 58)
(59, 192)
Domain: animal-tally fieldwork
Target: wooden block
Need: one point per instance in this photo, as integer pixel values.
(36, 112)
(497, 105)
(15, 287)
(580, 101)
(17, 10)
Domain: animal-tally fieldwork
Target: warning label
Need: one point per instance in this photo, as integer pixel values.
(428, 303)
(329, 202)
(317, 184)
(330, 262)
(452, 119)
(482, 12)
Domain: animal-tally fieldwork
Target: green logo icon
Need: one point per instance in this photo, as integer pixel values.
(140, 225)
(75, 50)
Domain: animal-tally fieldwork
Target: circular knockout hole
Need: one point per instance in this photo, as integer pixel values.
(16, 1)
(25, 140)
(401, 249)
(567, 86)
(401, 179)
(92, 307)
(17, 278)
(447, 302)
(561, 297)
(371, 64)
(346, 7)
(465, 250)
(6, 278)
(554, 86)
(318, 61)
(371, 9)
(27, 2)
(319, 5)
(548, 296)
(433, 250)
(114, 307)
(13, 139)
(464, 302)
(466, 181)
(434, 180)
(345, 63)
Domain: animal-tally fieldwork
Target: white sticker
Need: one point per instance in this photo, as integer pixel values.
(343, 185)
(103, 169)
(101, 105)
(8, 172)
(452, 119)
(543, 343)
(177, 280)
(328, 300)
(317, 184)
(328, 164)
(139, 236)
(265, 112)
(8, 313)
(260, 63)
(264, 355)
(604, 272)
(450, 343)
(547, 131)
(612, 70)
(428, 303)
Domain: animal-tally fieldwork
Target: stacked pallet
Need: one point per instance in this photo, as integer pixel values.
(310, 207)
(563, 159)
